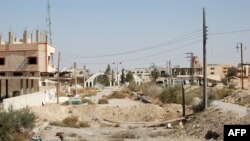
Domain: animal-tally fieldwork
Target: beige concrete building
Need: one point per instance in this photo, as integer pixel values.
(218, 69)
(23, 63)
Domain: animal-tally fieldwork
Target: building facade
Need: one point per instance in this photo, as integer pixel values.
(23, 63)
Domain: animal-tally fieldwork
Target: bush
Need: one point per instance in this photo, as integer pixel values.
(219, 93)
(199, 107)
(103, 101)
(84, 100)
(70, 121)
(211, 135)
(118, 95)
(13, 122)
(171, 95)
(133, 86)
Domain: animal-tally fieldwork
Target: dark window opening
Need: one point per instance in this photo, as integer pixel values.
(2, 61)
(17, 74)
(2, 74)
(32, 60)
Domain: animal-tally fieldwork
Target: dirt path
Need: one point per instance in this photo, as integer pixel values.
(231, 107)
(104, 92)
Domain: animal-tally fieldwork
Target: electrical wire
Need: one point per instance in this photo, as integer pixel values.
(183, 38)
(230, 32)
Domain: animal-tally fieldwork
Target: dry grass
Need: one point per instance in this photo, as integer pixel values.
(103, 101)
(125, 135)
(71, 121)
(118, 95)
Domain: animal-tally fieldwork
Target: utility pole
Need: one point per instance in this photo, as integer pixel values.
(58, 75)
(241, 56)
(75, 78)
(117, 72)
(191, 56)
(204, 61)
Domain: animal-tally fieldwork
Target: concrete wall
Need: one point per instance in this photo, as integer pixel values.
(34, 99)
(22, 84)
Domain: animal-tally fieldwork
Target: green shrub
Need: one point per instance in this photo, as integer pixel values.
(12, 122)
(171, 95)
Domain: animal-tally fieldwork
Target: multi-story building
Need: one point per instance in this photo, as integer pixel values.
(215, 72)
(23, 63)
(218, 69)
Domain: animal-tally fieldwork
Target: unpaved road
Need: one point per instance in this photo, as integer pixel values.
(104, 92)
(231, 107)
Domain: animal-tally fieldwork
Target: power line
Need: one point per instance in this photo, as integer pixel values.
(230, 32)
(147, 56)
(162, 52)
(183, 38)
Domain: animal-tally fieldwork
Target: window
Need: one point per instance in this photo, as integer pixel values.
(17, 73)
(32, 60)
(212, 72)
(212, 68)
(2, 61)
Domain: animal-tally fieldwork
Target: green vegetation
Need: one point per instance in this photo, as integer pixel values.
(14, 124)
(171, 95)
(129, 77)
(155, 74)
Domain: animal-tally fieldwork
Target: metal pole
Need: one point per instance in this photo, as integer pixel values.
(75, 78)
(58, 75)
(242, 69)
(204, 61)
(242, 81)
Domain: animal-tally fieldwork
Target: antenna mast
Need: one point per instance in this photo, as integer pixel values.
(48, 23)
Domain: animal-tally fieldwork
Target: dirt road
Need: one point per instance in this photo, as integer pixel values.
(231, 107)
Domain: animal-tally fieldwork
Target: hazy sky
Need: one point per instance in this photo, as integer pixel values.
(134, 32)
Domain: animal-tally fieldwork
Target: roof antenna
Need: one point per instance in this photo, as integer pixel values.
(48, 23)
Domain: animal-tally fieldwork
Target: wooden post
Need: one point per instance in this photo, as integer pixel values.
(183, 101)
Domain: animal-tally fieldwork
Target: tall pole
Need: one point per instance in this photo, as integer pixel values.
(241, 58)
(58, 75)
(75, 78)
(204, 61)
(191, 66)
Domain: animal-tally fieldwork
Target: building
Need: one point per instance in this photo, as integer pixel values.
(215, 72)
(218, 69)
(24, 62)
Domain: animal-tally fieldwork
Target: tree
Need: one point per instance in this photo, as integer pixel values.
(155, 74)
(104, 79)
(129, 76)
(123, 77)
(108, 70)
(231, 72)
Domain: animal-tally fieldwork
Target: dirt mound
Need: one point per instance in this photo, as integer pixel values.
(213, 120)
(241, 97)
(95, 113)
(136, 113)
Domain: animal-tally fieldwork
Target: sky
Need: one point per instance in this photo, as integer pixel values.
(134, 33)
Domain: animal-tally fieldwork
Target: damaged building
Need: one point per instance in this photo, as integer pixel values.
(24, 63)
